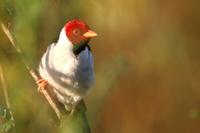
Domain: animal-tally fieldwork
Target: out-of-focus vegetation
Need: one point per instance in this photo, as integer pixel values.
(146, 63)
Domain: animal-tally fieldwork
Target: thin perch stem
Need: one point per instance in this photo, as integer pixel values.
(47, 95)
(46, 92)
(10, 37)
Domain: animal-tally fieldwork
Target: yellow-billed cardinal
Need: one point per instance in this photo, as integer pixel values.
(67, 65)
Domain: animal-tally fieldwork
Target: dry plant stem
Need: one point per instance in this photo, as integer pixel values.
(10, 37)
(4, 87)
(34, 74)
(47, 95)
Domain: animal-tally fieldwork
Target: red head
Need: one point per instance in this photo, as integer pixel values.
(78, 32)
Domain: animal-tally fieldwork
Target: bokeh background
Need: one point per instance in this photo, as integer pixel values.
(147, 63)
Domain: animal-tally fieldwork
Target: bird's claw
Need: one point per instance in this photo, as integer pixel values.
(42, 83)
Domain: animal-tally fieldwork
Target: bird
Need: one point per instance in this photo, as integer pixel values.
(67, 65)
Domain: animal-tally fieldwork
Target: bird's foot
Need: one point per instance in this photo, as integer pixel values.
(42, 83)
(72, 104)
(73, 109)
(75, 104)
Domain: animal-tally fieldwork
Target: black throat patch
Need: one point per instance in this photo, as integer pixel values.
(77, 49)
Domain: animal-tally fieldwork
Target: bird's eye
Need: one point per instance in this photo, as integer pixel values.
(76, 32)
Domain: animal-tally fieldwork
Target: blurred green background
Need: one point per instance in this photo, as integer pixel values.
(146, 63)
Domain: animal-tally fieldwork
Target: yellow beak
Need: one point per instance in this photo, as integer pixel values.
(90, 34)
